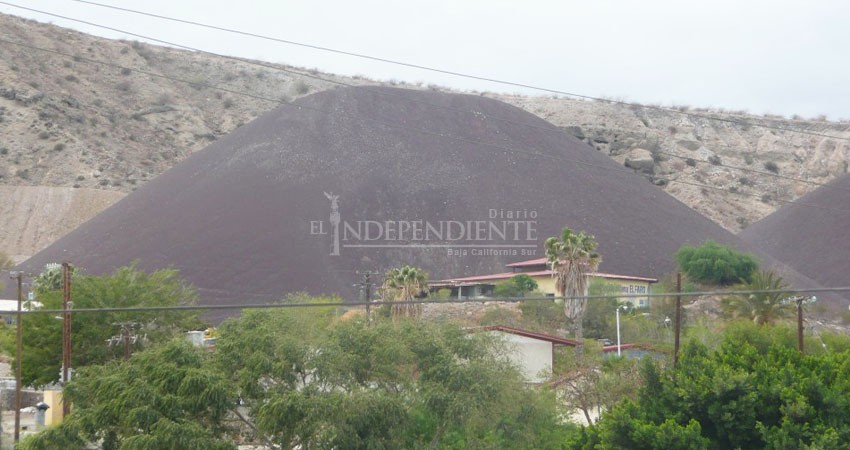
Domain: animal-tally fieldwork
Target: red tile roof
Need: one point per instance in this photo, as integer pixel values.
(539, 273)
(529, 334)
(530, 262)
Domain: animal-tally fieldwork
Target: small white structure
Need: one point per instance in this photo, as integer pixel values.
(8, 309)
(532, 352)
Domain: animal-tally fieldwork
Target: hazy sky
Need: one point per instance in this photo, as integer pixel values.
(763, 56)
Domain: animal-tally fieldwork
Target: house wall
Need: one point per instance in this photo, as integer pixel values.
(546, 285)
(532, 356)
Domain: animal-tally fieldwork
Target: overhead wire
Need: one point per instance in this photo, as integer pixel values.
(514, 150)
(390, 93)
(277, 67)
(284, 305)
(444, 71)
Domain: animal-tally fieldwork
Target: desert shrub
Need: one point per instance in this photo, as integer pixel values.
(746, 181)
(124, 86)
(771, 166)
(715, 160)
(300, 87)
(691, 162)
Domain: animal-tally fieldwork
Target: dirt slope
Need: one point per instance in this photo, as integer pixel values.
(35, 216)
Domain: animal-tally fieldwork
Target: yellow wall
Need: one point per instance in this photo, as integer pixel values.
(53, 416)
(546, 285)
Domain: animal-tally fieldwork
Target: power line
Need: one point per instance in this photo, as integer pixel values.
(261, 64)
(788, 202)
(388, 93)
(513, 150)
(437, 134)
(747, 169)
(447, 72)
(418, 302)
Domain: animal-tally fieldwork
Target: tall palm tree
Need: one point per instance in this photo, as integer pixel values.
(571, 257)
(402, 285)
(763, 309)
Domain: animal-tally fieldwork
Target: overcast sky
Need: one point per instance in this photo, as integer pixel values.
(778, 57)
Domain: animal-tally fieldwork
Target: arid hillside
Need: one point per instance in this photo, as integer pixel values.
(78, 111)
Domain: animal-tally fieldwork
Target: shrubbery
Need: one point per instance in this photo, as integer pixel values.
(712, 263)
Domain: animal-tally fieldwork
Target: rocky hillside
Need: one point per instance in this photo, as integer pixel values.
(66, 121)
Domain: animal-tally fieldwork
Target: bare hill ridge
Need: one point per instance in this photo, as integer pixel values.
(243, 220)
(65, 122)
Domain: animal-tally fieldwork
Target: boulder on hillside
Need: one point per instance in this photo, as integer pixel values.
(641, 160)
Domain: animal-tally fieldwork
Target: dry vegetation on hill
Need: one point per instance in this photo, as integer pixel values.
(66, 122)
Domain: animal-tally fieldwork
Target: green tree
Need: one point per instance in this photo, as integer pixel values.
(164, 398)
(516, 286)
(593, 384)
(599, 316)
(312, 382)
(572, 256)
(126, 287)
(762, 309)
(402, 285)
(542, 315)
(755, 390)
(50, 279)
(712, 263)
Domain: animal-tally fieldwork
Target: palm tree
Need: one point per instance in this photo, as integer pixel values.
(763, 309)
(402, 285)
(571, 257)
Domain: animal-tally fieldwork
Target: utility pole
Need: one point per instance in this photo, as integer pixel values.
(19, 277)
(66, 332)
(127, 338)
(800, 323)
(678, 321)
(366, 289)
(125, 334)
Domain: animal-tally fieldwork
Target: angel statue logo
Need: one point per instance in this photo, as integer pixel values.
(495, 232)
(334, 219)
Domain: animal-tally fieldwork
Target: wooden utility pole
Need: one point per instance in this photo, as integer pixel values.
(800, 323)
(19, 276)
(66, 332)
(366, 290)
(678, 320)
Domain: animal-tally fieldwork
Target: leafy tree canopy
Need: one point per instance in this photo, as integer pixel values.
(517, 286)
(713, 263)
(164, 398)
(753, 391)
(126, 287)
